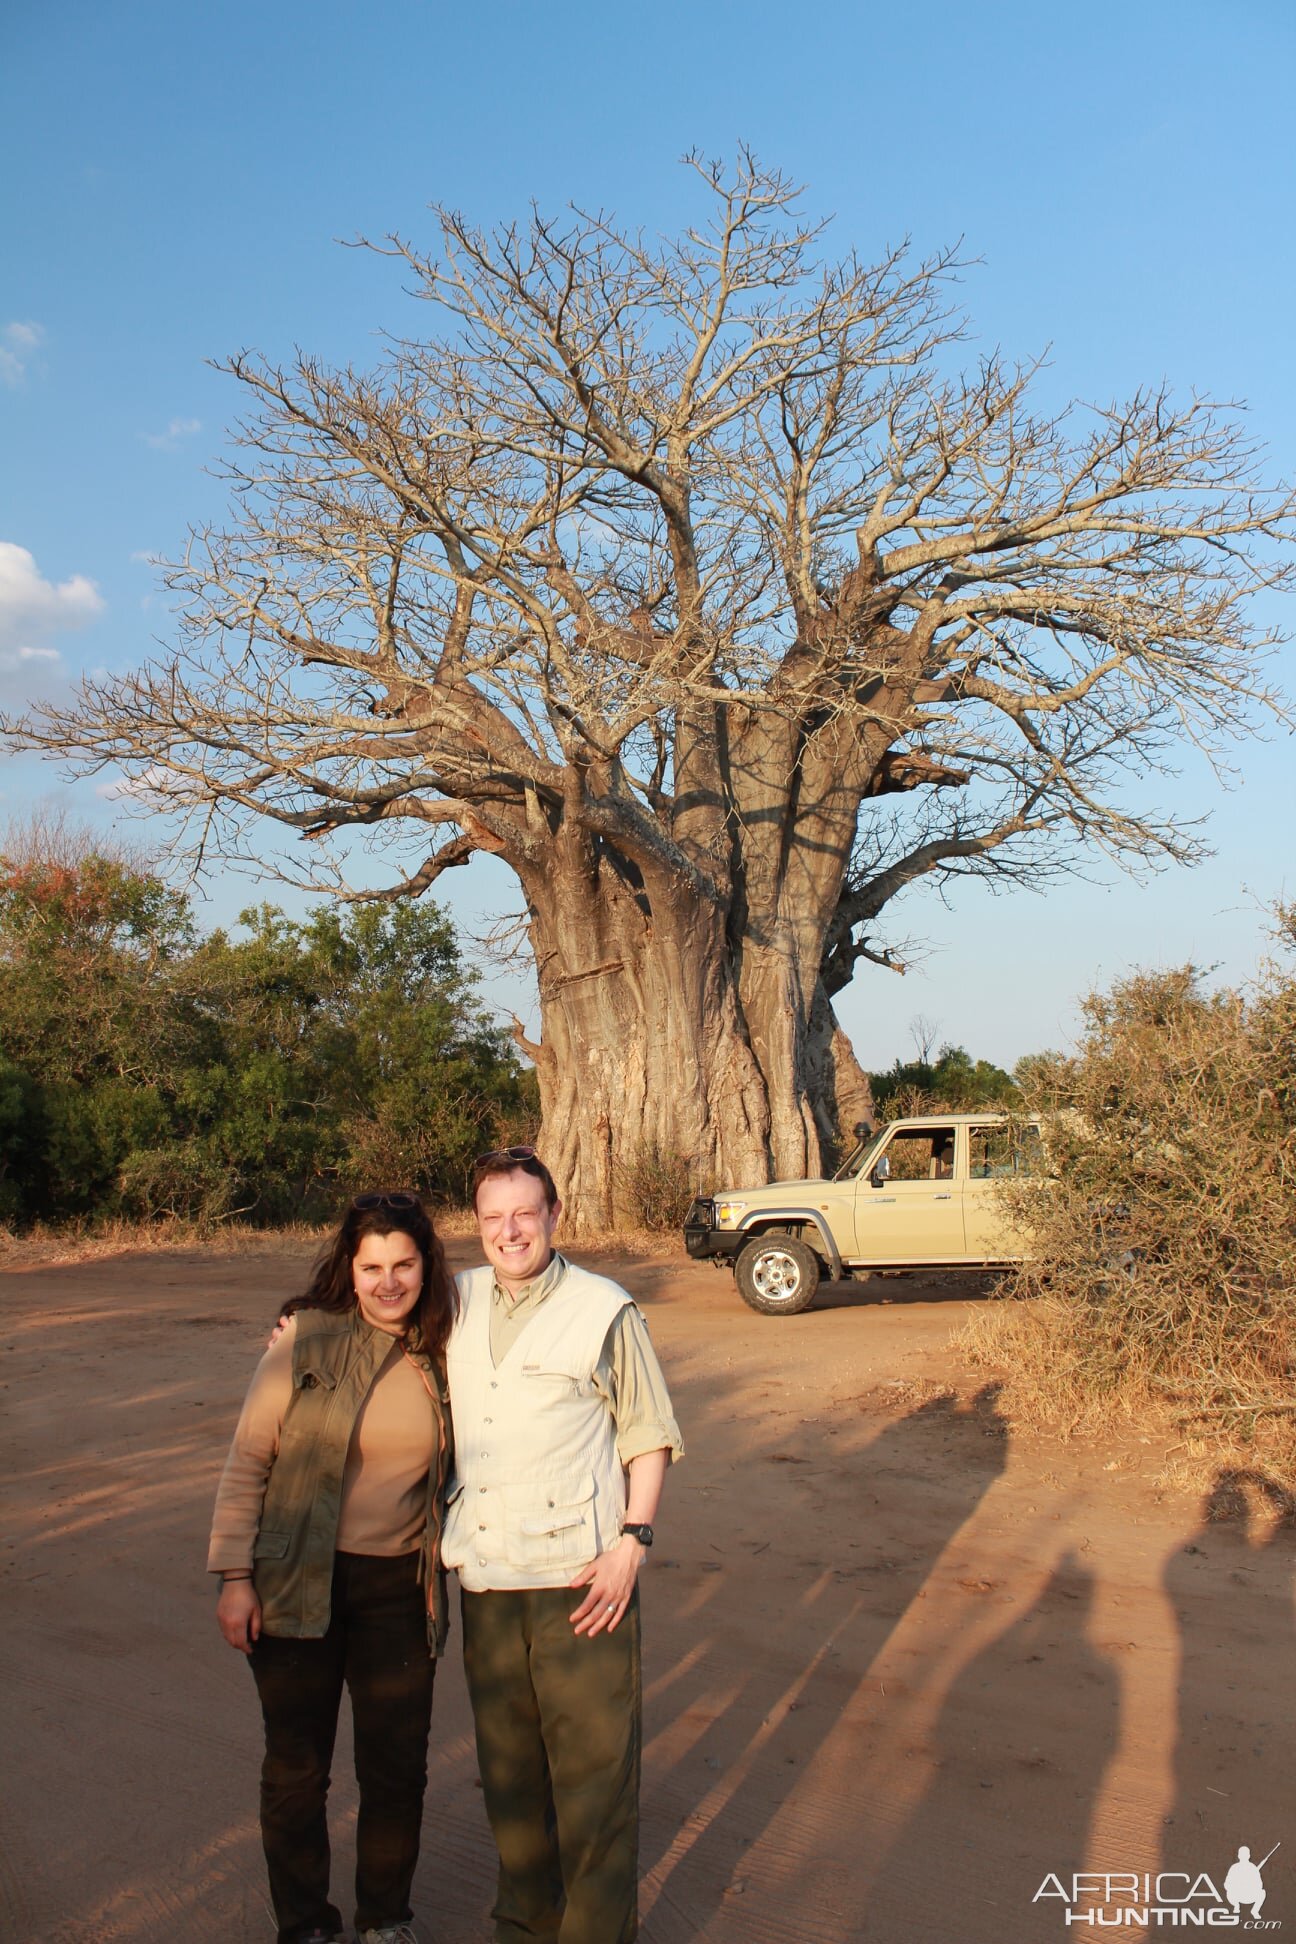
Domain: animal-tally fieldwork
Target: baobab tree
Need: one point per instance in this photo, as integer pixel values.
(709, 585)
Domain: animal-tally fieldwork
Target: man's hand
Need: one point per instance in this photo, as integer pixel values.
(611, 1580)
(238, 1614)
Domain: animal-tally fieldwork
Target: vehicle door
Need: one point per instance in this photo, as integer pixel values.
(999, 1151)
(909, 1206)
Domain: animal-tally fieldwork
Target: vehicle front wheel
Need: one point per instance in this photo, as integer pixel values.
(777, 1275)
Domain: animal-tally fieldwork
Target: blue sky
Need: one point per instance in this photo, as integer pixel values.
(178, 178)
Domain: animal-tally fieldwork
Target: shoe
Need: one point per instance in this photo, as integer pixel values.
(389, 1934)
(325, 1937)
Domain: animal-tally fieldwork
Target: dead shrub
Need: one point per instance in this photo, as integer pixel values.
(1164, 1246)
(654, 1187)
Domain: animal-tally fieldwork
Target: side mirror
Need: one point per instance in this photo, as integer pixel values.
(881, 1171)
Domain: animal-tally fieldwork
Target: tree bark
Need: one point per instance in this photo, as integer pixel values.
(677, 1027)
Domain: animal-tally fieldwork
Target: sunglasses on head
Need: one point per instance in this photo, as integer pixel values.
(402, 1198)
(506, 1154)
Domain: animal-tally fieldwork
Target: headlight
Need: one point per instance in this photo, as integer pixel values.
(728, 1213)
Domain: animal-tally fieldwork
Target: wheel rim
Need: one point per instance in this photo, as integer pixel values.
(776, 1276)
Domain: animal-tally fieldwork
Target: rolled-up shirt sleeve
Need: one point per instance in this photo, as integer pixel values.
(630, 1377)
(241, 1492)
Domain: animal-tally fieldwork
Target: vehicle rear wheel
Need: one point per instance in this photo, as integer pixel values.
(777, 1275)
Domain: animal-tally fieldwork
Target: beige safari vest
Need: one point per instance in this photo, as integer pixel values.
(538, 1489)
(336, 1359)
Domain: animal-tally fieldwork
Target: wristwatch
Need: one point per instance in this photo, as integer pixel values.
(643, 1533)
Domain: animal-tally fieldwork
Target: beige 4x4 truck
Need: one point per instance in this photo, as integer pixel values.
(922, 1194)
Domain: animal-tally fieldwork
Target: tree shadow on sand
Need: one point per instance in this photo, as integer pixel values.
(761, 1682)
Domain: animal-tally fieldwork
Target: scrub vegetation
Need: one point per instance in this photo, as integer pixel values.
(952, 1083)
(1162, 1283)
(147, 1072)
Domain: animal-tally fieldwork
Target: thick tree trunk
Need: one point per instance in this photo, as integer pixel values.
(659, 1039)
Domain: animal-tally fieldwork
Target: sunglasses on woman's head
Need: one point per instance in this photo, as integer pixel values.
(506, 1154)
(365, 1204)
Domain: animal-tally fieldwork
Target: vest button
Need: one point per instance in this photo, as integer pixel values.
(481, 1488)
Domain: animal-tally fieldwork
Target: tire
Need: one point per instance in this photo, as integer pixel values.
(777, 1275)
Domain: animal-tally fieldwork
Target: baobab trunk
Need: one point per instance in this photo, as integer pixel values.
(659, 1039)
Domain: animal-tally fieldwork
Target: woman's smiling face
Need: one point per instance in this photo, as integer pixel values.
(387, 1271)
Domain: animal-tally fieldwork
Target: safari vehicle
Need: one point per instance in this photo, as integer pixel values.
(919, 1195)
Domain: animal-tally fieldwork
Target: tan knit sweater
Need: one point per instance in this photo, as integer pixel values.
(384, 1486)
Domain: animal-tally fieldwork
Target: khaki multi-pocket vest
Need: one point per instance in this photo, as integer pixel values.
(539, 1489)
(336, 1361)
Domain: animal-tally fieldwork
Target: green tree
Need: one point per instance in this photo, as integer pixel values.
(145, 1072)
(94, 1031)
(357, 1050)
(953, 1083)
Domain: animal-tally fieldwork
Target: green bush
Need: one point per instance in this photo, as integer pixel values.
(145, 1072)
(954, 1083)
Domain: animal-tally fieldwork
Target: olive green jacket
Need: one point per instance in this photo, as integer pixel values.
(336, 1360)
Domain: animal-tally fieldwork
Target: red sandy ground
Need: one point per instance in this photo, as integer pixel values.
(899, 1665)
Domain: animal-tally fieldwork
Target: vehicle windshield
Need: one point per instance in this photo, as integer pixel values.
(858, 1157)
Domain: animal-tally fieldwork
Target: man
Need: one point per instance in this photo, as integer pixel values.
(564, 1430)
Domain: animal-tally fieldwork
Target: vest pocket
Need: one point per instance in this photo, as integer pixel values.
(314, 1377)
(557, 1528)
(271, 1545)
(557, 1380)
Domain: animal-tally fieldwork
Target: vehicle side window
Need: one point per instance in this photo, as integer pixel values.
(920, 1154)
(999, 1152)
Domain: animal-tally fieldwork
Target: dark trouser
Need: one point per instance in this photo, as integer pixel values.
(377, 1643)
(558, 1739)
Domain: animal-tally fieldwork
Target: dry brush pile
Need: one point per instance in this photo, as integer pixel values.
(1162, 1282)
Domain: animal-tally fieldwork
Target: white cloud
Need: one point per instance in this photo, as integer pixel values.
(18, 341)
(30, 675)
(32, 608)
(156, 785)
(177, 429)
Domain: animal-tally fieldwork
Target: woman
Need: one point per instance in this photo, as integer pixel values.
(327, 1538)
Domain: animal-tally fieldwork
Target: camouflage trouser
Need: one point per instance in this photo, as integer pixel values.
(558, 1740)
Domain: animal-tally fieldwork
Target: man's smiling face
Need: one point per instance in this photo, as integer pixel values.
(516, 1225)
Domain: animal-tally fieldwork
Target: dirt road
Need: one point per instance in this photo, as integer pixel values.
(901, 1668)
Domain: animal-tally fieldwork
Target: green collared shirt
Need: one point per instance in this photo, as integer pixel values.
(627, 1374)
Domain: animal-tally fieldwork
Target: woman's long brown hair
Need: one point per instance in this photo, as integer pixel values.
(331, 1287)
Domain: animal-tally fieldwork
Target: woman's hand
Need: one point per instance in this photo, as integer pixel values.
(278, 1331)
(238, 1614)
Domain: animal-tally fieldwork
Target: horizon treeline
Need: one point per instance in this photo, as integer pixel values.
(147, 1070)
